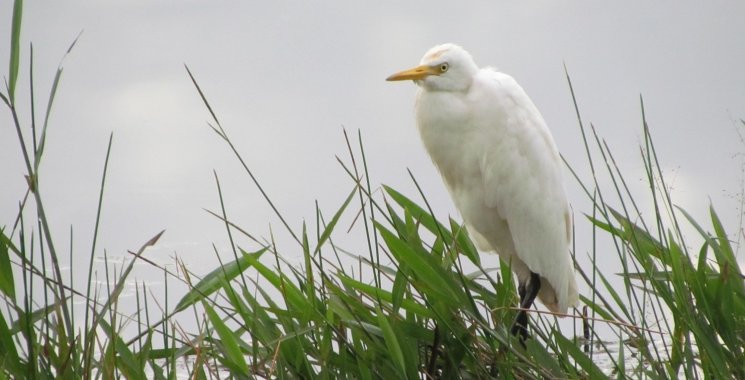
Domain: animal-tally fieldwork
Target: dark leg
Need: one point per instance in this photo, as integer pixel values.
(528, 291)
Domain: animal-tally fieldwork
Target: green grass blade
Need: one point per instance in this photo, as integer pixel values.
(400, 284)
(727, 253)
(114, 296)
(293, 296)
(391, 341)
(234, 358)
(15, 53)
(7, 103)
(547, 362)
(43, 138)
(213, 281)
(34, 317)
(614, 294)
(431, 275)
(420, 214)
(464, 242)
(7, 285)
(621, 362)
(382, 294)
(332, 223)
(8, 353)
(723, 251)
(585, 362)
(144, 354)
(261, 323)
(125, 360)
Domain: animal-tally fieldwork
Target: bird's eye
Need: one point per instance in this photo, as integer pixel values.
(444, 67)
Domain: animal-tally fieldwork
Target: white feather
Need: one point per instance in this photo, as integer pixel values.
(501, 167)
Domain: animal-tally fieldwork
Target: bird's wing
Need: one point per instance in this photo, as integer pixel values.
(521, 169)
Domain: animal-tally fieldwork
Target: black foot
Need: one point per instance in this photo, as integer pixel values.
(528, 291)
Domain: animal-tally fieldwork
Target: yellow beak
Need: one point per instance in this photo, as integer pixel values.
(418, 72)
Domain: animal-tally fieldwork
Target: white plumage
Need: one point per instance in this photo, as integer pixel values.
(500, 165)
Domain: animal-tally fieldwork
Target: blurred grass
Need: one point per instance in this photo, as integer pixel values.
(418, 304)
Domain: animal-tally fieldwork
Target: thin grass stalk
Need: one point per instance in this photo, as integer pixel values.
(459, 271)
(369, 191)
(165, 325)
(138, 309)
(602, 204)
(666, 194)
(217, 128)
(90, 312)
(317, 254)
(599, 207)
(27, 301)
(75, 363)
(227, 226)
(34, 185)
(32, 103)
(640, 304)
(594, 251)
(372, 248)
(108, 293)
(650, 168)
(32, 175)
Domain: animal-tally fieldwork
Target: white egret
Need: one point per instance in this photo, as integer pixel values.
(502, 168)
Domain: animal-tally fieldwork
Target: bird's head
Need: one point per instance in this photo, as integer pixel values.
(446, 67)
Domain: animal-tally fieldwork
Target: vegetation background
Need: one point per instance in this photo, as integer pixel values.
(416, 300)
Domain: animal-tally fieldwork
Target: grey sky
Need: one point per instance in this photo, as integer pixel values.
(285, 77)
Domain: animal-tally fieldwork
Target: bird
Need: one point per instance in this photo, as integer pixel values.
(502, 169)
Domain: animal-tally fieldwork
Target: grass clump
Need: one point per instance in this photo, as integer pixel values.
(415, 301)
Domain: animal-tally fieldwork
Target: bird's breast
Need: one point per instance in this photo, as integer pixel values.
(444, 124)
(456, 132)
